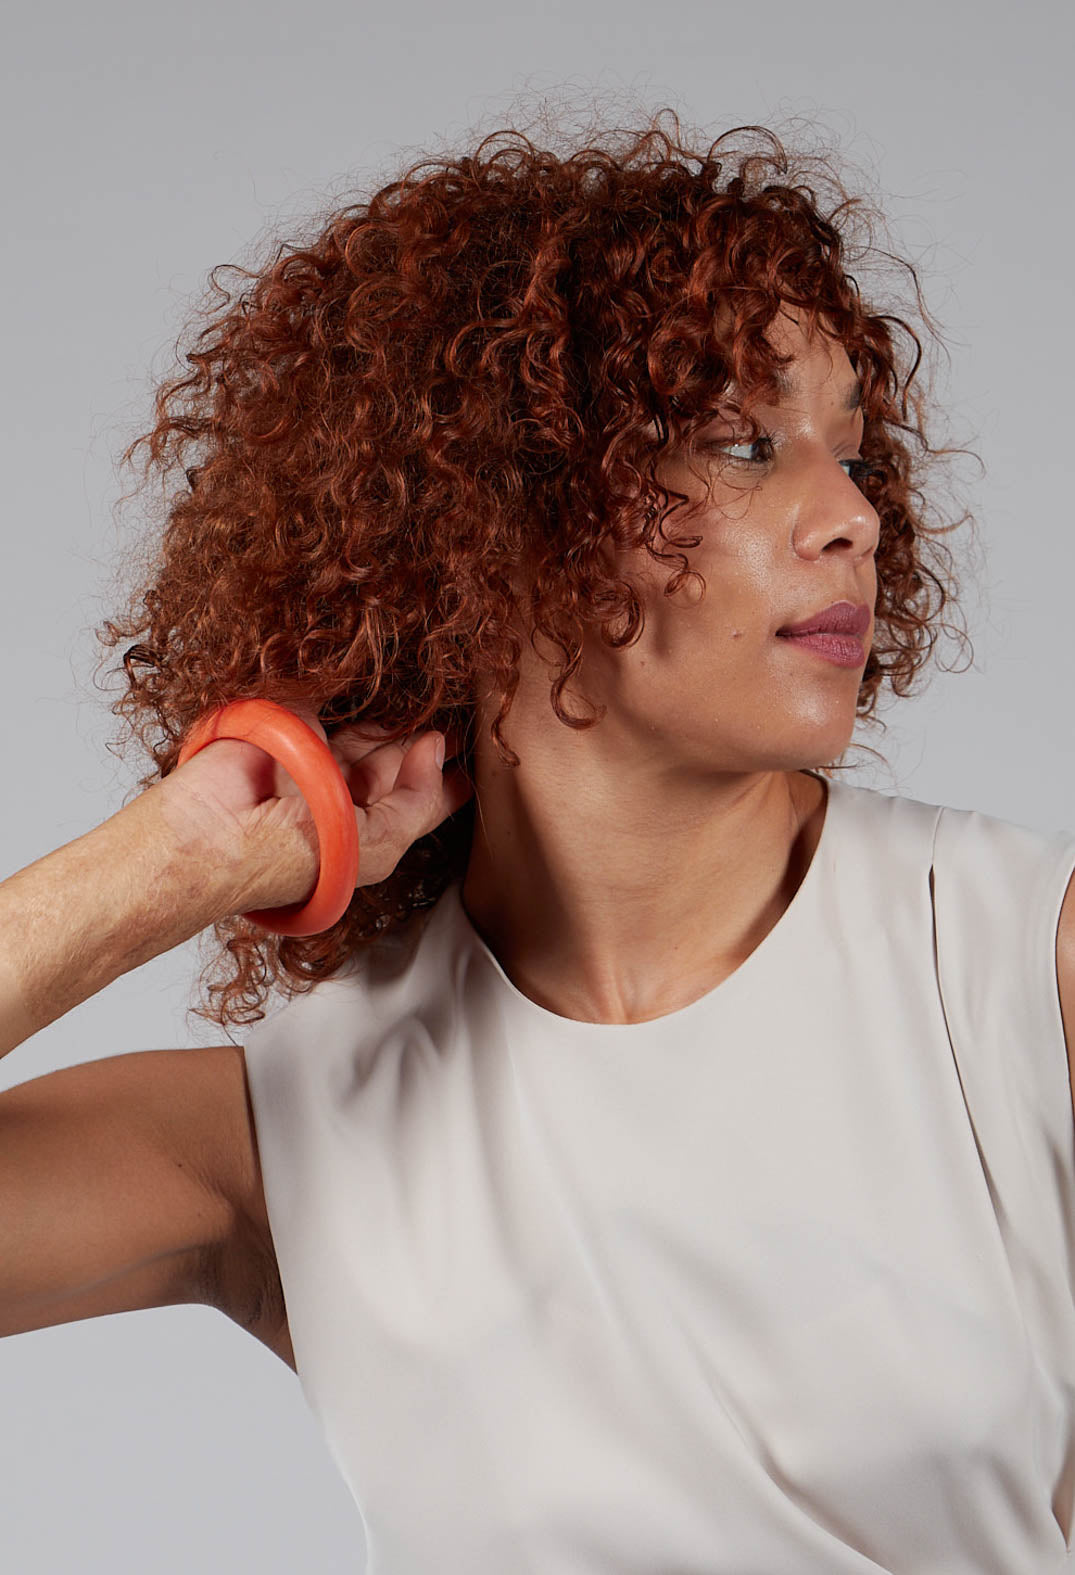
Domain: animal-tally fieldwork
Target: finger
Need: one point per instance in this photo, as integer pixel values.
(352, 745)
(426, 793)
(358, 738)
(373, 776)
(371, 770)
(421, 798)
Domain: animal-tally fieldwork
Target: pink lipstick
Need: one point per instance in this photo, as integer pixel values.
(834, 633)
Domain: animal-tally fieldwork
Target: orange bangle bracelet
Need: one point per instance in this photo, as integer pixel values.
(319, 779)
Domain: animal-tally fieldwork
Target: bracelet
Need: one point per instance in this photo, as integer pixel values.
(318, 777)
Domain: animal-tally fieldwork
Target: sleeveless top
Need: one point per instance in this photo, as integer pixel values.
(780, 1283)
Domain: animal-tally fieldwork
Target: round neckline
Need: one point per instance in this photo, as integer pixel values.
(543, 1015)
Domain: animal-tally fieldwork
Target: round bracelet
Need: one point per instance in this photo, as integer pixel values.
(319, 779)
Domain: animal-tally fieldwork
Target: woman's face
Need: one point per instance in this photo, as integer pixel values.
(711, 684)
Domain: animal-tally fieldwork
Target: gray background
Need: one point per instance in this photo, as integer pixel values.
(143, 144)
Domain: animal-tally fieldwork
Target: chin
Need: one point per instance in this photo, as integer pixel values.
(810, 747)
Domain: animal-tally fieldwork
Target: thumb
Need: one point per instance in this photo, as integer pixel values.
(427, 789)
(420, 770)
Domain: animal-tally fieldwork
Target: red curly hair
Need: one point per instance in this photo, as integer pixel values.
(461, 378)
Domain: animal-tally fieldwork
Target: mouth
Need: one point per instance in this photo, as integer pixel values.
(845, 650)
(849, 619)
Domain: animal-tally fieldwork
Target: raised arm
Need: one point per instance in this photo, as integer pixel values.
(132, 1181)
(145, 880)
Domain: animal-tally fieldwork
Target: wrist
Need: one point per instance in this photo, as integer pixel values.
(187, 878)
(135, 886)
(265, 857)
(280, 858)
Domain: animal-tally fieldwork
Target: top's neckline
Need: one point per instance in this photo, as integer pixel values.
(542, 1015)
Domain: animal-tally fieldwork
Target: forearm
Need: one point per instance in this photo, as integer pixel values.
(135, 886)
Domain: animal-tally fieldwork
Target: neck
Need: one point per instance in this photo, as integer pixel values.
(602, 907)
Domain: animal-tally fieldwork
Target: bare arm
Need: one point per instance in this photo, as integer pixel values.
(131, 1182)
(122, 1181)
(226, 833)
(143, 881)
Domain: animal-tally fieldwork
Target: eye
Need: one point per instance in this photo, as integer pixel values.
(763, 443)
(857, 469)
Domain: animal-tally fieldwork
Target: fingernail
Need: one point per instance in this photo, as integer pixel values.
(440, 751)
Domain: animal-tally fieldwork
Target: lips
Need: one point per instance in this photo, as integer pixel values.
(840, 618)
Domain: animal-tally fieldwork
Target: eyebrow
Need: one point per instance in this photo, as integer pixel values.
(852, 395)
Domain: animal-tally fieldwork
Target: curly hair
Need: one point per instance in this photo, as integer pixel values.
(458, 380)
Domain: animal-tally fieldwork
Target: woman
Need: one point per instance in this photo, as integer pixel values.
(667, 1161)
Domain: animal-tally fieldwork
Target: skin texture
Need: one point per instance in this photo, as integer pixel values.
(619, 873)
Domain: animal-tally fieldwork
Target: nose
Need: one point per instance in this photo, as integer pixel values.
(833, 508)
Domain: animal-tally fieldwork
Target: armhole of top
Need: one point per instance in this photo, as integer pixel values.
(1039, 962)
(998, 888)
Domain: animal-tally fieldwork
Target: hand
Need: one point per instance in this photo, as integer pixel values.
(239, 801)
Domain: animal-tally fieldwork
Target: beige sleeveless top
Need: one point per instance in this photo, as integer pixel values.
(780, 1283)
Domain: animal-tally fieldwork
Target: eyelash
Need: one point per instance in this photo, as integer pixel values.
(857, 467)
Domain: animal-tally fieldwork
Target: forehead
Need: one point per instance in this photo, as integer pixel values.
(820, 365)
(818, 355)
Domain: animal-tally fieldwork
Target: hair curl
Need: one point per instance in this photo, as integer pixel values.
(462, 376)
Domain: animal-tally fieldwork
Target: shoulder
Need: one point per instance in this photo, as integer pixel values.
(1065, 972)
(1018, 885)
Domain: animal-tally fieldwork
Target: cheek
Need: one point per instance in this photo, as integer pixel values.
(697, 643)
(724, 606)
